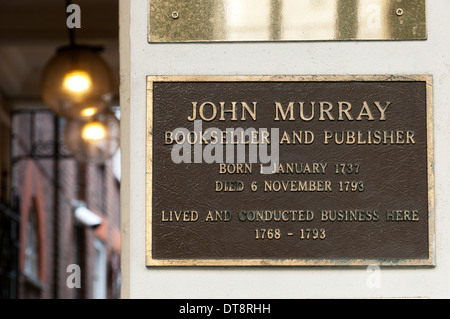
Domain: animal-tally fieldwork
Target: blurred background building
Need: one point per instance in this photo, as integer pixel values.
(57, 211)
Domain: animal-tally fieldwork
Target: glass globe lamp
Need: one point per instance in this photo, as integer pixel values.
(77, 82)
(95, 140)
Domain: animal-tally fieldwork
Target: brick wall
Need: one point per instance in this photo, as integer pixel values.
(56, 187)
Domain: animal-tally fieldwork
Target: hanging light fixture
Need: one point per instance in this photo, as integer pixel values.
(77, 85)
(94, 140)
(77, 82)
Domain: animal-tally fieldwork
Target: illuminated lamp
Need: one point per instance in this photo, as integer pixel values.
(93, 141)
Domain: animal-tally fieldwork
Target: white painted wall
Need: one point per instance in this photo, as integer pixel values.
(139, 59)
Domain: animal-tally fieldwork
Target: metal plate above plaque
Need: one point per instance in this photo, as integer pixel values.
(285, 20)
(289, 171)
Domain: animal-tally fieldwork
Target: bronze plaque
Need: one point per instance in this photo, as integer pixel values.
(289, 171)
(286, 20)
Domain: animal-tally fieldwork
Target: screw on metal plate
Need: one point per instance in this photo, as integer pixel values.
(175, 15)
(399, 12)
